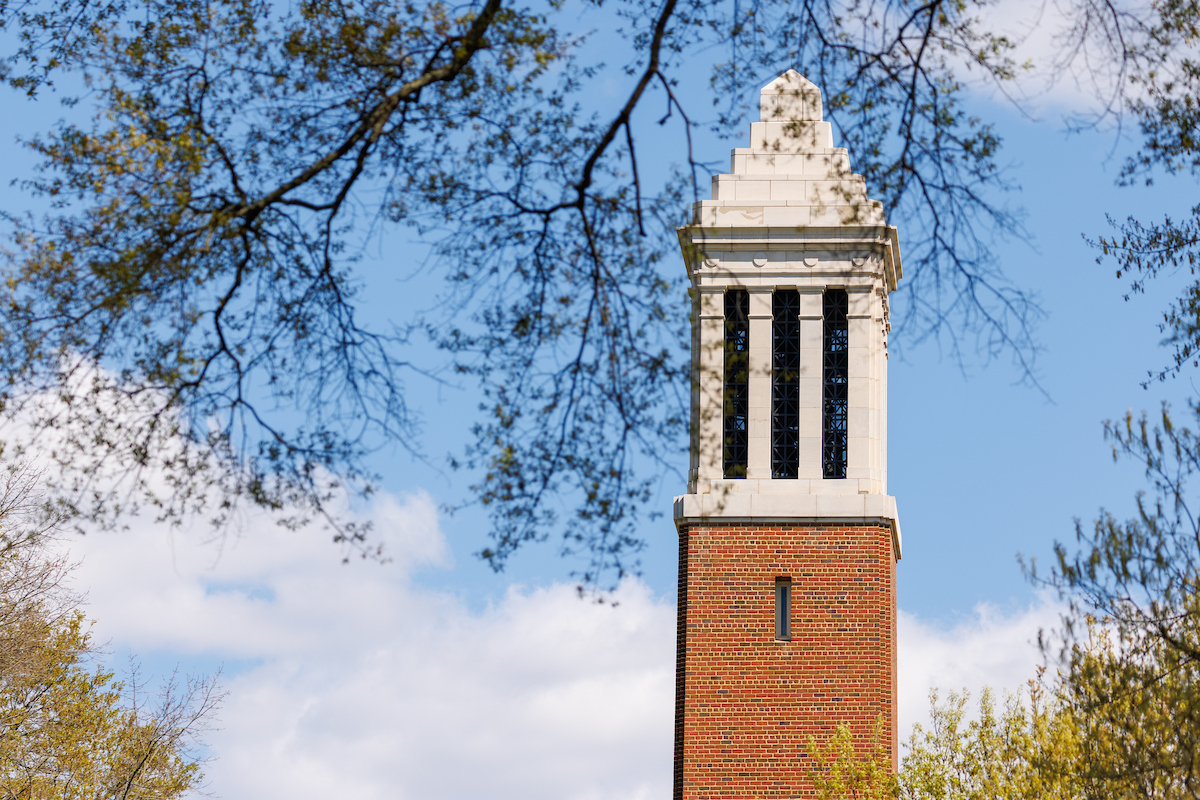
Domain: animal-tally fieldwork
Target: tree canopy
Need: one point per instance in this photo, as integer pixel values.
(1130, 643)
(183, 326)
(1090, 732)
(69, 729)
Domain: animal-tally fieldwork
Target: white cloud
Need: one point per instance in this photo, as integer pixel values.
(1060, 76)
(986, 649)
(362, 684)
(358, 682)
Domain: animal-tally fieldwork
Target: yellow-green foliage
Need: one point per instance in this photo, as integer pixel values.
(845, 774)
(1136, 704)
(1016, 751)
(68, 728)
(1119, 722)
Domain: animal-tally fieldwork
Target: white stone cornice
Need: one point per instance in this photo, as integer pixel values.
(724, 509)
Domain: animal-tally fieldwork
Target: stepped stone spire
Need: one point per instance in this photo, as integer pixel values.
(791, 174)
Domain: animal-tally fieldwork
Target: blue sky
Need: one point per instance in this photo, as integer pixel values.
(433, 677)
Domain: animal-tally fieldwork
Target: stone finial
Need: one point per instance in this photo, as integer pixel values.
(790, 98)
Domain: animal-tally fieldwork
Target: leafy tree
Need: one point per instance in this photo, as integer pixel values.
(1118, 721)
(1134, 680)
(189, 305)
(1155, 80)
(843, 773)
(1133, 703)
(1139, 689)
(68, 728)
(1027, 749)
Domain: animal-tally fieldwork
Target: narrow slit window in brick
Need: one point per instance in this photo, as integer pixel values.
(783, 608)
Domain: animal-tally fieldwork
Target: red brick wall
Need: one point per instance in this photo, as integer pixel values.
(746, 703)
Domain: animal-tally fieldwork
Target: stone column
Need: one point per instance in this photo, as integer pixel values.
(694, 400)
(876, 396)
(883, 389)
(758, 460)
(812, 349)
(710, 431)
(858, 421)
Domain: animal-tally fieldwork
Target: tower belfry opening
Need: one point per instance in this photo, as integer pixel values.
(788, 540)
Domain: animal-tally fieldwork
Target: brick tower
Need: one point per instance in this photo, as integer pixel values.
(788, 540)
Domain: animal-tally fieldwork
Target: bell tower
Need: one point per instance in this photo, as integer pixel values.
(788, 539)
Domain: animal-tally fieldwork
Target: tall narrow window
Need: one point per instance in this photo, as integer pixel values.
(836, 383)
(783, 608)
(785, 384)
(737, 381)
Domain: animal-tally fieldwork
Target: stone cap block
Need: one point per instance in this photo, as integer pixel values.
(790, 98)
(766, 508)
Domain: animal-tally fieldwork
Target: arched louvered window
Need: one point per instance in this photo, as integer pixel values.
(785, 383)
(737, 381)
(836, 384)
